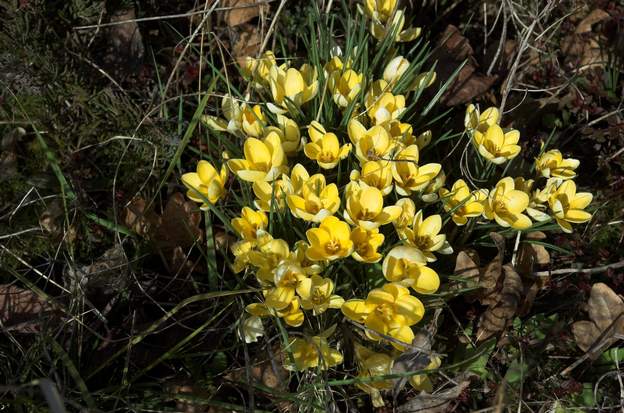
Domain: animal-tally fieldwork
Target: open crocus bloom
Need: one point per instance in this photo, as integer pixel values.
(424, 234)
(325, 148)
(568, 206)
(315, 201)
(330, 241)
(407, 265)
(345, 86)
(249, 223)
(408, 176)
(365, 208)
(506, 205)
(365, 244)
(380, 10)
(370, 144)
(264, 160)
(394, 28)
(498, 146)
(372, 364)
(377, 174)
(316, 295)
(312, 352)
(478, 123)
(552, 164)
(381, 105)
(462, 202)
(390, 311)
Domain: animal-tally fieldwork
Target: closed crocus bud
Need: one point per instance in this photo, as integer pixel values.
(395, 69)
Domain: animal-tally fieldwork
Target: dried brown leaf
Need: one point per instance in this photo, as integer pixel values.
(435, 403)
(531, 255)
(467, 267)
(242, 11)
(179, 226)
(492, 272)
(606, 315)
(498, 316)
(596, 16)
(248, 44)
(451, 51)
(20, 309)
(138, 219)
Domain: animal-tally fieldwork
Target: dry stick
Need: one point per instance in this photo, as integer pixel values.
(271, 27)
(594, 270)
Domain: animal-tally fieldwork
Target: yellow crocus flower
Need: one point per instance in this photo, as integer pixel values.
(312, 352)
(345, 86)
(279, 190)
(232, 123)
(537, 198)
(316, 295)
(370, 144)
(330, 241)
(377, 174)
(394, 27)
(568, 206)
(395, 69)
(365, 208)
(425, 235)
(408, 210)
(292, 87)
(461, 202)
(264, 160)
(258, 69)
(288, 132)
(289, 279)
(372, 364)
(421, 381)
(478, 123)
(380, 10)
(205, 184)
(400, 133)
(498, 146)
(408, 176)
(267, 257)
(272, 193)
(389, 310)
(381, 105)
(365, 244)
(249, 223)
(407, 266)
(325, 148)
(551, 164)
(430, 193)
(316, 200)
(292, 314)
(253, 120)
(506, 205)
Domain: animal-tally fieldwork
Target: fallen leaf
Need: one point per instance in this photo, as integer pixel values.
(451, 51)
(248, 44)
(138, 219)
(242, 11)
(596, 16)
(489, 280)
(21, 310)
(179, 224)
(499, 315)
(435, 403)
(467, 267)
(414, 359)
(531, 255)
(606, 319)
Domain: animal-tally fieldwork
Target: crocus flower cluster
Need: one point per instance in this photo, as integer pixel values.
(359, 195)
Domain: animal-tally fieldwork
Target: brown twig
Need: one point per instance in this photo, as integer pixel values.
(594, 270)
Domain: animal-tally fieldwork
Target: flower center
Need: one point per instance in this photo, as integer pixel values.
(326, 157)
(422, 241)
(367, 215)
(385, 312)
(318, 297)
(332, 247)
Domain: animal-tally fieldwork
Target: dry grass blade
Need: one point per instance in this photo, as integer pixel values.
(435, 403)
